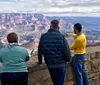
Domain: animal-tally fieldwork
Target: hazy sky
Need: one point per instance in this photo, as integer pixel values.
(52, 6)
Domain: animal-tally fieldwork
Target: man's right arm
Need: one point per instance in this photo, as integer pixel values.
(71, 35)
(66, 50)
(40, 51)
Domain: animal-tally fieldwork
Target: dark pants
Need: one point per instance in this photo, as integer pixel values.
(57, 75)
(80, 73)
(18, 78)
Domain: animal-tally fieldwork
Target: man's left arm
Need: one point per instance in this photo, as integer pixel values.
(66, 50)
(76, 44)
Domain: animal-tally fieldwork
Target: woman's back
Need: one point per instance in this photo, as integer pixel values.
(13, 58)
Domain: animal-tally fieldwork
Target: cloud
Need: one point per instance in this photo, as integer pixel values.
(50, 6)
(7, 0)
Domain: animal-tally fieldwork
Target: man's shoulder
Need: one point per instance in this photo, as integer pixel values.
(43, 35)
(54, 33)
(83, 35)
(81, 38)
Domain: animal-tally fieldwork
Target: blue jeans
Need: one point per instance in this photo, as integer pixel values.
(80, 73)
(57, 75)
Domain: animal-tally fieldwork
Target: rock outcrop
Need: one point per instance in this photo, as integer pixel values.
(39, 75)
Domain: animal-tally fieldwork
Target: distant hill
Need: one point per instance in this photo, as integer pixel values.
(85, 21)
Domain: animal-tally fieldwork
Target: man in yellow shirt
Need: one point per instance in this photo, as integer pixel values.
(79, 47)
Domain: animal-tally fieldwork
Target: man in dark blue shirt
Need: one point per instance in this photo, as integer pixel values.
(54, 47)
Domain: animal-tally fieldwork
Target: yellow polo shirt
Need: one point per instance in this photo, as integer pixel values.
(79, 43)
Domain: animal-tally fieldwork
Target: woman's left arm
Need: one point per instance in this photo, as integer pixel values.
(1, 58)
(27, 56)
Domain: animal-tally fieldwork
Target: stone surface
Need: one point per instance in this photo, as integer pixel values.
(93, 55)
(88, 67)
(88, 56)
(95, 65)
(69, 83)
(95, 80)
(39, 75)
(93, 75)
(98, 54)
(69, 73)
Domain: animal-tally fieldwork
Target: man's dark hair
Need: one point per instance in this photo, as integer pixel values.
(54, 23)
(12, 38)
(78, 26)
